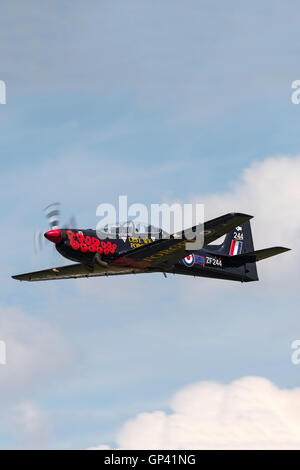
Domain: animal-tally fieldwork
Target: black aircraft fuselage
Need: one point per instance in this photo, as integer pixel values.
(81, 246)
(98, 254)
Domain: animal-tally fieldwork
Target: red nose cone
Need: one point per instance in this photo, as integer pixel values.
(54, 236)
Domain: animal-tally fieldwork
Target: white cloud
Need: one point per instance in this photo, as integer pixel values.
(29, 424)
(36, 353)
(249, 413)
(101, 447)
(270, 191)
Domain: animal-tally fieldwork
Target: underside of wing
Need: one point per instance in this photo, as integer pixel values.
(74, 271)
(166, 252)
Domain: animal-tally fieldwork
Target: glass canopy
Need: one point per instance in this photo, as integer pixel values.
(133, 229)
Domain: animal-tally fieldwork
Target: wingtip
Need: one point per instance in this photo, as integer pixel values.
(241, 214)
(18, 277)
(282, 249)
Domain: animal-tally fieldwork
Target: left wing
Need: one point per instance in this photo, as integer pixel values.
(74, 271)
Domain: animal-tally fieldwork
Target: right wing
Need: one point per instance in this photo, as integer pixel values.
(166, 252)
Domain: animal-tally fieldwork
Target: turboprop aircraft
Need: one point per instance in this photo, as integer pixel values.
(128, 249)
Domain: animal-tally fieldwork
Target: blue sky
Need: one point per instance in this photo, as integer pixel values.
(162, 102)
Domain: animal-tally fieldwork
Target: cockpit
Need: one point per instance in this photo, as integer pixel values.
(133, 229)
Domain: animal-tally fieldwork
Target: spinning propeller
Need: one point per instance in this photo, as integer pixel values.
(52, 213)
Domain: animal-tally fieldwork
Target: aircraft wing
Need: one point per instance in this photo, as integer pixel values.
(74, 271)
(166, 252)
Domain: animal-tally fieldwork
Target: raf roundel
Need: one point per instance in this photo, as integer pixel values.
(189, 260)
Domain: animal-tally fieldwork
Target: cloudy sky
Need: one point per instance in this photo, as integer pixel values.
(161, 101)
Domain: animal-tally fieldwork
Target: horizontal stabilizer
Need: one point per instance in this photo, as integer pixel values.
(268, 252)
(254, 256)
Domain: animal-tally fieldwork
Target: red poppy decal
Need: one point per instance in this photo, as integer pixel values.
(91, 244)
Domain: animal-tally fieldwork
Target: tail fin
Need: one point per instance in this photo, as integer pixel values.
(239, 242)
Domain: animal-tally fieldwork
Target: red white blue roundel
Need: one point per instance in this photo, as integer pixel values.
(189, 260)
